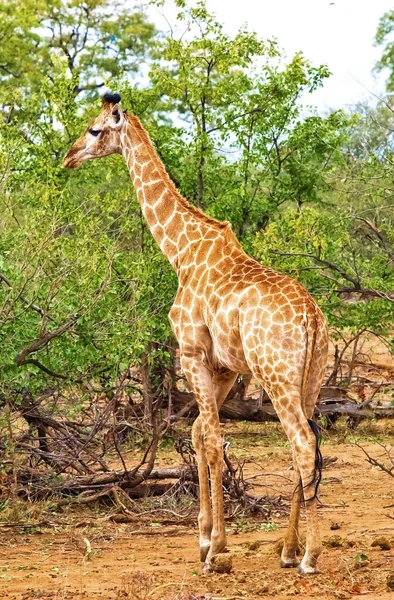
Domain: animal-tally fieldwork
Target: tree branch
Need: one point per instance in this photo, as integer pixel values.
(37, 363)
(29, 304)
(43, 341)
(257, 109)
(372, 293)
(379, 235)
(327, 263)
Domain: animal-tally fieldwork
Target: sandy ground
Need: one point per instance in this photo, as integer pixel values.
(152, 560)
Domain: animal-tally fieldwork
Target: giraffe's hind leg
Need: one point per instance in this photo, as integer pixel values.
(303, 442)
(291, 541)
(313, 385)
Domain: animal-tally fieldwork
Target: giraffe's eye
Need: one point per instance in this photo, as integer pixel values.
(95, 132)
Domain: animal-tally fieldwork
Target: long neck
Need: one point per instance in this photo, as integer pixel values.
(168, 214)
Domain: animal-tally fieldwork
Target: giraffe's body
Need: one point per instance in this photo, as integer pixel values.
(231, 315)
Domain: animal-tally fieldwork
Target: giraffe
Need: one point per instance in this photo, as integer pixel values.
(230, 316)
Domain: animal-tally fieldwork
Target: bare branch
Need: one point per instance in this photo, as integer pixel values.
(327, 263)
(379, 235)
(44, 341)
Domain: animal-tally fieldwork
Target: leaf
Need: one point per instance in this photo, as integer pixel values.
(356, 589)
(360, 557)
(303, 586)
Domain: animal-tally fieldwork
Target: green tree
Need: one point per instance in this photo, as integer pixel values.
(98, 39)
(76, 259)
(84, 291)
(249, 147)
(385, 38)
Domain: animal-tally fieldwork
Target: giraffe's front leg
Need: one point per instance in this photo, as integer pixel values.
(205, 520)
(209, 450)
(223, 381)
(214, 449)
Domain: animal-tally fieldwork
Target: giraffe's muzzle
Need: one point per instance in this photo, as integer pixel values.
(71, 160)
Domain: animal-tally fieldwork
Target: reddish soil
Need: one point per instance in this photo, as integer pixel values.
(52, 562)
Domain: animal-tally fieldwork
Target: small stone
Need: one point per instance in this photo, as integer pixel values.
(222, 563)
(390, 581)
(382, 542)
(328, 461)
(334, 526)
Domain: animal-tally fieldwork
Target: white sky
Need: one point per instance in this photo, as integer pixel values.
(340, 35)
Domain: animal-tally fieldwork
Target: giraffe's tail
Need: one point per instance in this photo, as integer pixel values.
(317, 471)
(314, 365)
(311, 325)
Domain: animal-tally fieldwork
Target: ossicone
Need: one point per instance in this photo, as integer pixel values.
(109, 98)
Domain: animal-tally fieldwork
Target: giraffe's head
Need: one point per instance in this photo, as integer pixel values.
(102, 136)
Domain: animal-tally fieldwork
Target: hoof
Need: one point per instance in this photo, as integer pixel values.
(289, 563)
(207, 569)
(204, 552)
(307, 570)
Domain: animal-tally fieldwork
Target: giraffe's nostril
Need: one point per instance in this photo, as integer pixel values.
(70, 162)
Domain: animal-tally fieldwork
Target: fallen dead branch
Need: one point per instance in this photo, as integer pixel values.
(333, 403)
(122, 479)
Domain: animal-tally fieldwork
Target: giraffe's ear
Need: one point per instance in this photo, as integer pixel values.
(111, 106)
(116, 117)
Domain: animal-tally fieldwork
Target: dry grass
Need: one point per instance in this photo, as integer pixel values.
(136, 586)
(139, 586)
(22, 511)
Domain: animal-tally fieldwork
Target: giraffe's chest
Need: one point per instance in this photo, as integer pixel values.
(222, 320)
(212, 325)
(228, 354)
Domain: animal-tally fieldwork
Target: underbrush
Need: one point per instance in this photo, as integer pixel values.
(24, 512)
(252, 448)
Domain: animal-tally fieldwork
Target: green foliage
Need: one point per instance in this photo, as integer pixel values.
(236, 95)
(98, 39)
(75, 246)
(384, 37)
